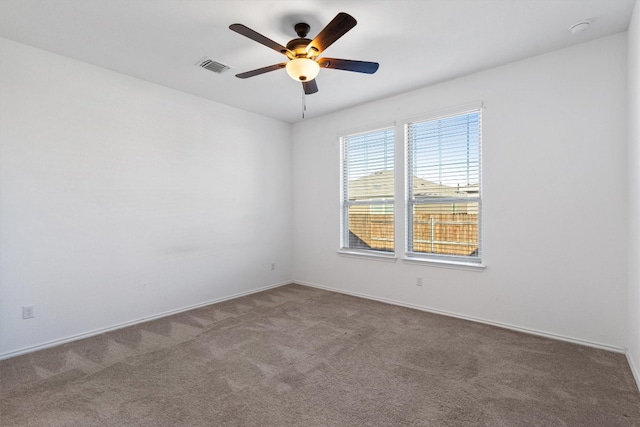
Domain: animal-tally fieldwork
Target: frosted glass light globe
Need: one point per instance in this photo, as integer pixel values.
(302, 69)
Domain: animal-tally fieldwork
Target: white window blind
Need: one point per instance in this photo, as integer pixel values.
(444, 197)
(368, 191)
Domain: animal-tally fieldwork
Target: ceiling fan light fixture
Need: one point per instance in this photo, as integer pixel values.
(302, 69)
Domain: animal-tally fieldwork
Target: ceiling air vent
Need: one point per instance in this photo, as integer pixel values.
(211, 65)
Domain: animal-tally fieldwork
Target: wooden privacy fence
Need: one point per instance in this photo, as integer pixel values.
(446, 234)
(375, 230)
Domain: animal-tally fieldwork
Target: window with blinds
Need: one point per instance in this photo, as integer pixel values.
(443, 177)
(368, 191)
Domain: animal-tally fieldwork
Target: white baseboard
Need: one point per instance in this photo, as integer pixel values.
(634, 369)
(94, 332)
(475, 319)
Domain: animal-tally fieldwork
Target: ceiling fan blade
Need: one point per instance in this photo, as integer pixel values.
(255, 36)
(335, 29)
(349, 65)
(310, 87)
(262, 70)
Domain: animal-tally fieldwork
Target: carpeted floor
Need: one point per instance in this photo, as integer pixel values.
(298, 356)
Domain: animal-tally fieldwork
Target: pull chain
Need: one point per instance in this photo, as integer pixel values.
(304, 103)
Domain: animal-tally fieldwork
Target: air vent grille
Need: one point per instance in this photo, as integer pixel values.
(211, 65)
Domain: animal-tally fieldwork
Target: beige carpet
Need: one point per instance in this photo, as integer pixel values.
(298, 356)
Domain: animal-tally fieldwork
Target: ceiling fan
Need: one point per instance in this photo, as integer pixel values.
(304, 64)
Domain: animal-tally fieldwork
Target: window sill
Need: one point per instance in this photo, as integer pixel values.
(458, 265)
(376, 256)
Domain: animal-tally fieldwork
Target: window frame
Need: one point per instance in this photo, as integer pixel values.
(345, 203)
(411, 201)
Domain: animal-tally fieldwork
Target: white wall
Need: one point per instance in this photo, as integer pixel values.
(116, 203)
(121, 199)
(633, 35)
(555, 207)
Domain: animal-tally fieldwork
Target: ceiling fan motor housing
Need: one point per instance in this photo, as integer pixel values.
(299, 47)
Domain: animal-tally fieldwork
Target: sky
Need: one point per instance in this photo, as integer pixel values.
(444, 151)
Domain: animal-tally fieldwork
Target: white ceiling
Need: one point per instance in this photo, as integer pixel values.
(416, 42)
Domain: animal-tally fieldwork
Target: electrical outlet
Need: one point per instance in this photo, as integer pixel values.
(27, 312)
(418, 281)
(273, 266)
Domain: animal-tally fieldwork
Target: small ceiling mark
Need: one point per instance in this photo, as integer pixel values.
(579, 27)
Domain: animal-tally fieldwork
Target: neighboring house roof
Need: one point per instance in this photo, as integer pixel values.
(380, 185)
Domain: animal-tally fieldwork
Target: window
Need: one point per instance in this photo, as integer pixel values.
(443, 185)
(368, 191)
